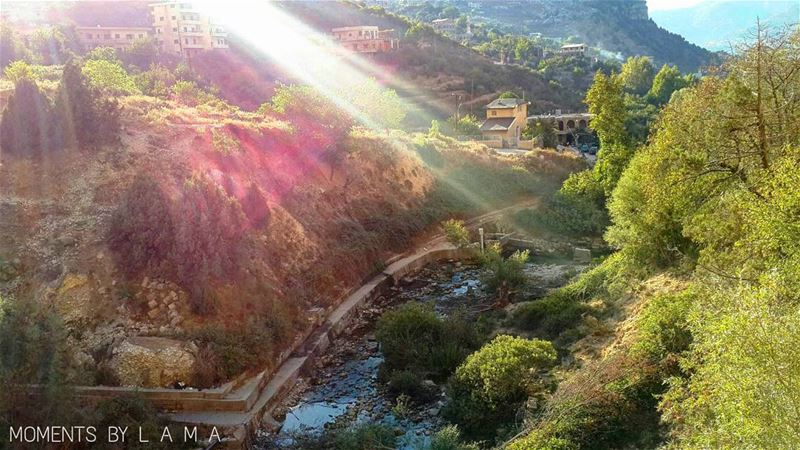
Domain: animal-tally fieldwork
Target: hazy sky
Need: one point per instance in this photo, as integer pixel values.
(653, 5)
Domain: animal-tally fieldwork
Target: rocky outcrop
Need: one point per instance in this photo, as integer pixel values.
(152, 362)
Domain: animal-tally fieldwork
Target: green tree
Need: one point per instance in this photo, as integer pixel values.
(456, 233)
(18, 70)
(506, 275)
(508, 94)
(109, 77)
(86, 117)
(607, 102)
(666, 81)
(636, 75)
(11, 46)
(26, 128)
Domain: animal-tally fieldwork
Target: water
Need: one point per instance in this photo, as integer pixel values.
(347, 388)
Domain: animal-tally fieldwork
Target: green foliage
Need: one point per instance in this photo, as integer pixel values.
(136, 413)
(86, 117)
(456, 233)
(189, 94)
(468, 125)
(433, 131)
(492, 382)
(223, 142)
(366, 437)
(578, 208)
(109, 77)
(155, 82)
(413, 338)
(546, 131)
(666, 81)
(33, 351)
(142, 231)
(663, 326)
(636, 75)
(108, 54)
(552, 315)
(449, 438)
(607, 103)
(309, 110)
(18, 70)
(27, 126)
(11, 46)
(141, 53)
(508, 94)
(506, 275)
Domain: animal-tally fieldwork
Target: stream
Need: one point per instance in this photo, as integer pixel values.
(345, 390)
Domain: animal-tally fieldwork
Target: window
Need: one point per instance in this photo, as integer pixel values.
(186, 40)
(177, 41)
(161, 18)
(129, 36)
(116, 35)
(175, 29)
(173, 18)
(494, 113)
(107, 35)
(141, 35)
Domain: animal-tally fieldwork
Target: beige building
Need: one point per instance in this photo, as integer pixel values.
(366, 39)
(117, 37)
(446, 26)
(573, 50)
(178, 28)
(505, 120)
(567, 126)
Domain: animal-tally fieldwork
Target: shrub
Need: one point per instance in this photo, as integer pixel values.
(551, 315)
(188, 93)
(506, 275)
(223, 142)
(366, 437)
(406, 382)
(456, 233)
(663, 326)
(493, 382)
(136, 413)
(449, 438)
(414, 338)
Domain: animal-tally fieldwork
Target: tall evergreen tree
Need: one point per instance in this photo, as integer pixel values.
(26, 127)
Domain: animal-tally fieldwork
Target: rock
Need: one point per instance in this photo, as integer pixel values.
(433, 411)
(66, 241)
(152, 304)
(582, 255)
(153, 313)
(172, 306)
(151, 297)
(430, 384)
(145, 282)
(152, 362)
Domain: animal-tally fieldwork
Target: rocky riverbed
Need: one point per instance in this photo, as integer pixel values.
(344, 389)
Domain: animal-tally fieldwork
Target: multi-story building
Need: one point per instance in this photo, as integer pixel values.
(445, 26)
(366, 39)
(573, 50)
(505, 120)
(181, 29)
(117, 37)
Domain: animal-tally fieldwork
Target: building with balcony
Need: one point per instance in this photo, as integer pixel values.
(444, 26)
(573, 50)
(567, 126)
(180, 29)
(366, 39)
(117, 37)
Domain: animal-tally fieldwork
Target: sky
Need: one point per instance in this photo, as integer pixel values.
(654, 5)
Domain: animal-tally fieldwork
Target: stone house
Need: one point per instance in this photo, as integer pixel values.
(505, 120)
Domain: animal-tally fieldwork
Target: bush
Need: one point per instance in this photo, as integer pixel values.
(136, 413)
(506, 275)
(493, 382)
(456, 233)
(551, 315)
(449, 438)
(109, 77)
(663, 326)
(366, 437)
(413, 338)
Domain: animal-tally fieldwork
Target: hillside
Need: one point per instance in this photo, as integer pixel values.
(215, 227)
(615, 26)
(715, 25)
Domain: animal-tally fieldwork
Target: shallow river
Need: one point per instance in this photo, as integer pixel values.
(345, 388)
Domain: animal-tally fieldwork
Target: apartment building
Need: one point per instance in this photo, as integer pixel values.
(366, 39)
(182, 30)
(117, 37)
(573, 50)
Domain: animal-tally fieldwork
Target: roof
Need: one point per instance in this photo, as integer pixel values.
(498, 124)
(503, 103)
(354, 28)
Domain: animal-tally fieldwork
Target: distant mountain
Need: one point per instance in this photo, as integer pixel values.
(617, 26)
(716, 24)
